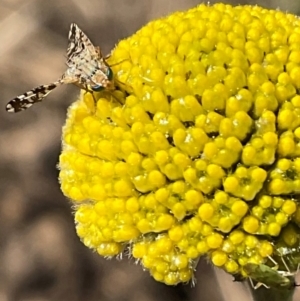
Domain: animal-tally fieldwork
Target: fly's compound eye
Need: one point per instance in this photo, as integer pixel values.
(109, 74)
(97, 88)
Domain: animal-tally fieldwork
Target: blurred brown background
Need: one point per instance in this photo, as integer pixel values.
(41, 258)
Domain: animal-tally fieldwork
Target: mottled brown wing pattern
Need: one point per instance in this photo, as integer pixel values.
(75, 46)
(26, 100)
(78, 43)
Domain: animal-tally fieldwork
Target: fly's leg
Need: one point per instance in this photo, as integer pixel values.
(86, 88)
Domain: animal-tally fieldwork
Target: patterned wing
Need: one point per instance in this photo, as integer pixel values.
(26, 100)
(78, 43)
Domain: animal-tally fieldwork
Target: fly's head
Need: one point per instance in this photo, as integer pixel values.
(103, 79)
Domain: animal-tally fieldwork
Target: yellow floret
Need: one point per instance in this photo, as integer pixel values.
(250, 224)
(214, 241)
(219, 258)
(231, 267)
(245, 183)
(196, 151)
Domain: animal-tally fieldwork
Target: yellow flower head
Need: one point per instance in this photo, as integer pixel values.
(197, 152)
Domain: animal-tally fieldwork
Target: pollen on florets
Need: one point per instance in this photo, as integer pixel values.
(197, 151)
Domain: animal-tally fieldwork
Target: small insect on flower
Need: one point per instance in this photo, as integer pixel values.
(87, 68)
(269, 277)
